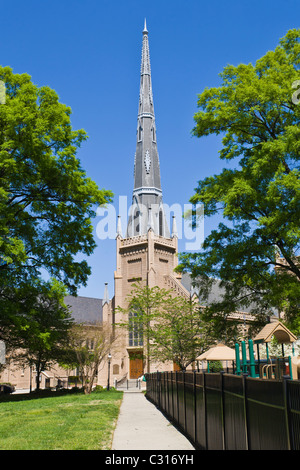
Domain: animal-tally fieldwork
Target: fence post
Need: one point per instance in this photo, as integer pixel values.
(195, 407)
(222, 408)
(205, 409)
(184, 399)
(286, 399)
(158, 389)
(166, 391)
(172, 401)
(244, 378)
(177, 399)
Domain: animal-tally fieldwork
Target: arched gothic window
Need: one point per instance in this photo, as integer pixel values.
(135, 330)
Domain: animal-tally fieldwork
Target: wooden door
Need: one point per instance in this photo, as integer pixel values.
(136, 365)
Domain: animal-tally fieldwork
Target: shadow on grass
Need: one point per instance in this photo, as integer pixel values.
(46, 394)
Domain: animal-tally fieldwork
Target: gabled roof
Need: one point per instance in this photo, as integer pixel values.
(216, 294)
(277, 329)
(87, 310)
(220, 352)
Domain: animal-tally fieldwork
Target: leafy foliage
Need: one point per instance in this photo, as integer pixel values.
(172, 327)
(38, 330)
(46, 199)
(88, 349)
(254, 251)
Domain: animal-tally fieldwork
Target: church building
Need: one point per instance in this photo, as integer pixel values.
(148, 250)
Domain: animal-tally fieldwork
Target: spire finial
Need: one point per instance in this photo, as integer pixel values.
(145, 27)
(174, 228)
(105, 299)
(150, 221)
(119, 227)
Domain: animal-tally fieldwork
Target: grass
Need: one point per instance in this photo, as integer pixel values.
(59, 421)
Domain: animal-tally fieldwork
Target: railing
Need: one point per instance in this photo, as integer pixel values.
(229, 412)
(121, 381)
(128, 384)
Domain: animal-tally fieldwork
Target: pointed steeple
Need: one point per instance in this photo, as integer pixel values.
(105, 299)
(150, 220)
(174, 228)
(147, 185)
(145, 27)
(119, 227)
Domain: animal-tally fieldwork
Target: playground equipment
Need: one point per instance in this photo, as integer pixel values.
(271, 368)
(246, 366)
(220, 352)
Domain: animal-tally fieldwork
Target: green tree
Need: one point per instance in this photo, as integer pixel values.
(170, 328)
(46, 199)
(39, 334)
(88, 349)
(179, 334)
(254, 250)
(144, 305)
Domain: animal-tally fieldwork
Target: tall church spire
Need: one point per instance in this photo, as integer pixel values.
(147, 186)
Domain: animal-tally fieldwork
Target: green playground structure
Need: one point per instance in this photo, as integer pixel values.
(246, 362)
(271, 368)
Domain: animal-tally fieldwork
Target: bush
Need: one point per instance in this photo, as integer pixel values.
(215, 366)
(99, 388)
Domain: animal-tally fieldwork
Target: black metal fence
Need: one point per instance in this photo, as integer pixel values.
(219, 411)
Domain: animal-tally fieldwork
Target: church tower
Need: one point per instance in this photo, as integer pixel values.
(147, 206)
(148, 251)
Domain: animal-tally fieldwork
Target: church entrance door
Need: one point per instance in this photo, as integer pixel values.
(136, 367)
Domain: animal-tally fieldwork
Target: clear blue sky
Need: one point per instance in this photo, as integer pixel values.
(90, 52)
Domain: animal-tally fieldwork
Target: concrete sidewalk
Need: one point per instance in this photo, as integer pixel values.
(141, 426)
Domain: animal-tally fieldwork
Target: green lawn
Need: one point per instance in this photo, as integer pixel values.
(59, 422)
